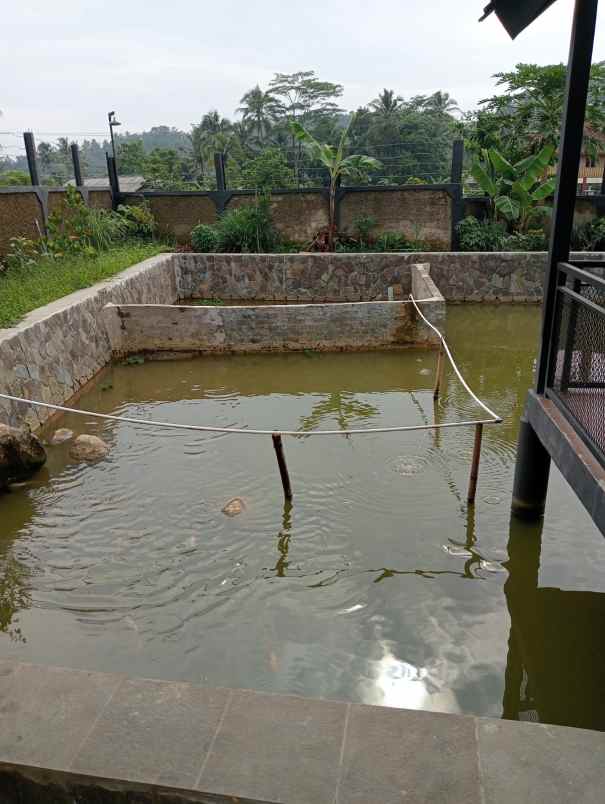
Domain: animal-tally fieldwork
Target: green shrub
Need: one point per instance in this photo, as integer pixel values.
(392, 241)
(363, 227)
(204, 238)
(139, 219)
(532, 240)
(475, 235)
(22, 252)
(248, 229)
(589, 236)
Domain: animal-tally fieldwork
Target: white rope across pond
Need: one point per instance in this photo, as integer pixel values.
(277, 433)
(493, 417)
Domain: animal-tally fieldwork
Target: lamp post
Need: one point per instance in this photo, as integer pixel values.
(111, 117)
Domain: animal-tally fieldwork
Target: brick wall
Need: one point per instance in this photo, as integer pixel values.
(19, 212)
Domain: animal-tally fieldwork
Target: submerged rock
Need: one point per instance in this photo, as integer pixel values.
(89, 448)
(21, 454)
(234, 507)
(60, 436)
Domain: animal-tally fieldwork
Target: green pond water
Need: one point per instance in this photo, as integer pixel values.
(376, 585)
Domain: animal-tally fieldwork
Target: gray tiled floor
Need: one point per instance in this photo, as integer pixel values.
(106, 738)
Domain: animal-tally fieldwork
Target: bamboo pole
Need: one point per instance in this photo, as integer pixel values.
(439, 377)
(472, 485)
(281, 462)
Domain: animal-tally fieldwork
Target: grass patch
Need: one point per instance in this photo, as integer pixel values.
(24, 289)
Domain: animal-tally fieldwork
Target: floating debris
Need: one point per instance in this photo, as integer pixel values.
(60, 436)
(457, 551)
(234, 507)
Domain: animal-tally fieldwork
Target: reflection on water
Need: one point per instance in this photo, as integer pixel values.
(555, 670)
(376, 584)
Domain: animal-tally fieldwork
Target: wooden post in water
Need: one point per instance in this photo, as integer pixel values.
(472, 485)
(439, 377)
(281, 462)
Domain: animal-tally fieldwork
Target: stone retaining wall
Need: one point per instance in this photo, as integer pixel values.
(295, 277)
(501, 276)
(56, 349)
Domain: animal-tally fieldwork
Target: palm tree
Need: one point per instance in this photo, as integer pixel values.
(387, 103)
(211, 135)
(260, 110)
(442, 103)
(338, 165)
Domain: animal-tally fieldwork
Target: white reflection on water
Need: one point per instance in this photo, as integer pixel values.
(399, 684)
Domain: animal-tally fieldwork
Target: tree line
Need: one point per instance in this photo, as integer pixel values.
(409, 139)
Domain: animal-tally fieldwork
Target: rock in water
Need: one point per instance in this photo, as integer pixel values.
(21, 454)
(60, 436)
(89, 448)
(234, 507)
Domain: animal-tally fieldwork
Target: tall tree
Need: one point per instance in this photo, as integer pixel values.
(387, 104)
(526, 116)
(306, 99)
(259, 109)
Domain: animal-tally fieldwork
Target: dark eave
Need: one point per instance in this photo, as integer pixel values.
(516, 15)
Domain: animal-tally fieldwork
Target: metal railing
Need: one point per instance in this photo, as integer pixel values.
(576, 368)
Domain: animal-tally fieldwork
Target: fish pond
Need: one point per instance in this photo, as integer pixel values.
(376, 585)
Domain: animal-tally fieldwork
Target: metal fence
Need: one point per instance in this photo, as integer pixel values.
(576, 377)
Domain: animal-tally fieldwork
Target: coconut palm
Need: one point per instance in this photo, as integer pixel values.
(387, 103)
(338, 165)
(259, 110)
(442, 103)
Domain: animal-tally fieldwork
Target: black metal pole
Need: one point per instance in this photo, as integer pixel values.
(75, 158)
(570, 149)
(283, 468)
(32, 162)
(457, 161)
(114, 184)
(219, 167)
(457, 197)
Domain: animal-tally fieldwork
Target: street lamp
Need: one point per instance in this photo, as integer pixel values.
(111, 117)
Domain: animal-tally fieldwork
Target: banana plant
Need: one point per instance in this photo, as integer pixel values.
(516, 190)
(338, 165)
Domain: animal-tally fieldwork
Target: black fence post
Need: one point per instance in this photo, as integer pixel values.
(457, 196)
(219, 167)
(114, 183)
(32, 162)
(457, 160)
(570, 148)
(75, 158)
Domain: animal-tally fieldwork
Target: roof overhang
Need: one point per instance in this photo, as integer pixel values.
(516, 15)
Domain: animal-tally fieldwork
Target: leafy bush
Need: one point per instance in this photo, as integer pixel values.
(532, 240)
(245, 229)
(363, 228)
(589, 236)
(248, 229)
(204, 238)
(22, 252)
(139, 219)
(476, 235)
(14, 178)
(392, 241)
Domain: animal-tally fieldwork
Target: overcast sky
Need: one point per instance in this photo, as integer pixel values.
(65, 63)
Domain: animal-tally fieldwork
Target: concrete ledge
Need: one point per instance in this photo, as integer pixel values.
(289, 327)
(70, 735)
